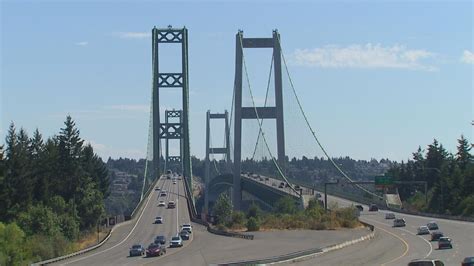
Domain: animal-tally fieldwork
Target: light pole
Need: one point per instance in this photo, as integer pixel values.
(326, 194)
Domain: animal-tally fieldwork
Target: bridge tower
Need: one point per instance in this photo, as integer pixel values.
(168, 130)
(211, 150)
(273, 112)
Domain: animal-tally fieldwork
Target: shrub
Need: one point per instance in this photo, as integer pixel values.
(238, 219)
(253, 224)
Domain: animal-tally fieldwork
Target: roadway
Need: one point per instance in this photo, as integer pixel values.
(142, 230)
(395, 246)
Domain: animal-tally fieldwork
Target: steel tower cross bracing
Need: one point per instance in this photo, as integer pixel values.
(275, 112)
(175, 133)
(171, 80)
(211, 150)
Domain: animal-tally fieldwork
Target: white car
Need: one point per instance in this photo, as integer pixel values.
(176, 241)
(432, 225)
(187, 227)
(390, 215)
(159, 220)
(423, 230)
(161, 204)
(174, 182)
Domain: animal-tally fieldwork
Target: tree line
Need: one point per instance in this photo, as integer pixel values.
(51, 192)
(449, 177)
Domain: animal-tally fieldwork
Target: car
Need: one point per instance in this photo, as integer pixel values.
(176, 241)
(157, 188)
(267, 178)
(373, 208)
(445, 242)
(297, 187)
(160, 240)
(423, 230)
(187, 227)
(163, 194)
(154, 250)
(281, 186)
(158, 220)
(426, 262)
(171, 204)
(184, 234)
(400, 222)
(468, 261)
(174, 182)
(436, 235)
(390, 215)
(137, 250)
(318, 195)
(359, 207)
(161, 203)
(432, 225)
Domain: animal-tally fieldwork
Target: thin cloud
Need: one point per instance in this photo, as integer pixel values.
(467, 57)
(82, 43)
(133, 35)
(363, 56)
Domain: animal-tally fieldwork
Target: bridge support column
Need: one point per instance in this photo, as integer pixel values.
(274, 112)
(168, 130)
(211, 150)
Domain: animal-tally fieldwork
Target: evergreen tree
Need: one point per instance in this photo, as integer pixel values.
(96, 168)
(70, 148)
(463, 155)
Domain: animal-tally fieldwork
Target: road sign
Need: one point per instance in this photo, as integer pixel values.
(382, 182)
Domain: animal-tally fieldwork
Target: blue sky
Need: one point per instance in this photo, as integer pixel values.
(376, 78)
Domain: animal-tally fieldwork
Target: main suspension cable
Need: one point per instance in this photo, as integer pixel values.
(311, 128)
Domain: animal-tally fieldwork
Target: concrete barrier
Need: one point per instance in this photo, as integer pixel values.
(306, 254)
(80, 252)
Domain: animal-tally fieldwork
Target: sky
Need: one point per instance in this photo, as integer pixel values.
(376, 79)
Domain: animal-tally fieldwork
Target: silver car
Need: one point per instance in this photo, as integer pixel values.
(176, 241)
(423, 230)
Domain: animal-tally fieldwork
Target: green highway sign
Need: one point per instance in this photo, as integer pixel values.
(382, 182)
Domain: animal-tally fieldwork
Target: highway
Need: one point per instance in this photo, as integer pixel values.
(116, 250)
(396, 246)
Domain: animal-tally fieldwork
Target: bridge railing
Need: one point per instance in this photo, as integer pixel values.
(80, 252)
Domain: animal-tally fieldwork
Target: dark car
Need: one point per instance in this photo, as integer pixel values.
(154, 250)
(445, 242)
(426, 262)
(468, 261)
(359, 207)
(435, 236)
(184, 234)
(137, 250)
(373, 208)
(160, 240)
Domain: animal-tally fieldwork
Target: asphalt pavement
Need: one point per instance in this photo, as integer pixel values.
(142, 230)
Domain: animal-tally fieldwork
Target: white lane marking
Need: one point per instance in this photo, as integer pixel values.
(121, 242)
(429, 244)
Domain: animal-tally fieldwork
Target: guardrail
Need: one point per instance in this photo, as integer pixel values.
(306, 254)
(210, 229)
(80, 252)
(381, 204)
(139, 205)
(45, 262)
(433, 215)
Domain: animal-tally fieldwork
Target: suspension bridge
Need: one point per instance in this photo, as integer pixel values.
(247, 159)
(263, 130)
